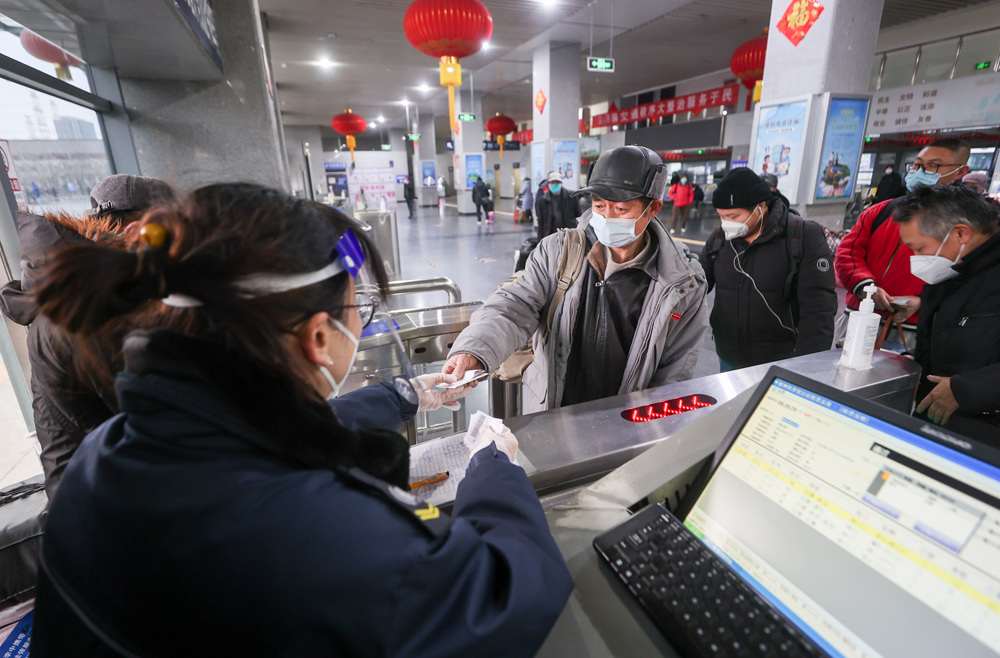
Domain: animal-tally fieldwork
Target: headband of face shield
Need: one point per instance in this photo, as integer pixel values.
(351, 259)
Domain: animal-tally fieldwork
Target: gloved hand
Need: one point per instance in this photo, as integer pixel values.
(432, 399)
(506, 442)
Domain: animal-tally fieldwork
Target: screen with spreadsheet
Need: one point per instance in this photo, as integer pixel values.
(872, 539)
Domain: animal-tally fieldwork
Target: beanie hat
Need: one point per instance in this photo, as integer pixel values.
(741, 188)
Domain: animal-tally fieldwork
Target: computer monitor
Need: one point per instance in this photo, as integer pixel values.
(874, 533)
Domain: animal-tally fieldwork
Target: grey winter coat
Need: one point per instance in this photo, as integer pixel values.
(527, 196)
(665, 347)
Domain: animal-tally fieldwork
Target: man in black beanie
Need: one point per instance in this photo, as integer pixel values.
(772, 272)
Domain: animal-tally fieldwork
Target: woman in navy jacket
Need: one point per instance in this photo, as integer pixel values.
(226, 510)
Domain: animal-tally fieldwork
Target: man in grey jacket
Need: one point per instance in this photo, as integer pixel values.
(635, 317)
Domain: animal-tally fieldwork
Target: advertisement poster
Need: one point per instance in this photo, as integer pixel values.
(566, 160)
(473, 169)
(778, 144)
(843, 140)
(8, 163)
(538, 163)
(373, 188)
(428, 173)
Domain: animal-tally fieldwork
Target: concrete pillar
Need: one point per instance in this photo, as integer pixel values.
(834, 56)
(555, 77)
(194, 133)
(469, 141)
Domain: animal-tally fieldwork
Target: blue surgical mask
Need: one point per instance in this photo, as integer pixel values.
(684, 181)
(919, 177)
(555, 188)
(617, 232)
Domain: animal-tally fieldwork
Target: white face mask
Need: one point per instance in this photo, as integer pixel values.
(733, 230)
(935, 269)
(334, 384)
(617, 232)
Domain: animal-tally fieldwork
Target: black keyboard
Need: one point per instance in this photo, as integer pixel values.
(692, 596)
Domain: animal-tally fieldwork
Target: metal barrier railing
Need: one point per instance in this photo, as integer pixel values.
(414, 286)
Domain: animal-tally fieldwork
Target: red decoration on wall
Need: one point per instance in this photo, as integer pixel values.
(350, 124)
(540, 101)
(448, 30)
(798, 19)
(40, 47)
(747, 62)
(500, 126)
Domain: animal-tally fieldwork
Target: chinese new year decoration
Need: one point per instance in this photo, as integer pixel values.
(747, 62)
(45, 50)
(448, 30)
(540, 101)
(798, 19)
(500, 126)
(350, 124)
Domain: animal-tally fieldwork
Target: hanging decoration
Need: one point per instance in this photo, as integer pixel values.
(350, 124)
(798, 19)
(747, 62)
(448, 30)
(500, 126)
(40, 47)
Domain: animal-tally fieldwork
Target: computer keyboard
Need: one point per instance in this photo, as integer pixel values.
(692, 596)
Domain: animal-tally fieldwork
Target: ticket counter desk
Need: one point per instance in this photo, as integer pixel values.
(565, 450)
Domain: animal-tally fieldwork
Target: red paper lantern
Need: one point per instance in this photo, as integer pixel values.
(500, 126)
(448, 30)
(747, 62)
(40, 47)
(350, 124)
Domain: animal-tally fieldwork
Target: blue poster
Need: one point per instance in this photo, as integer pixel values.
(473, 169)
(538, 163)
(778, 145)
(842, 143)
(566, 160)
(428, 173)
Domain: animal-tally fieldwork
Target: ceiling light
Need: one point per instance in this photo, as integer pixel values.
(284, 65)
(423, 87)
(381, 119)
(725, 112)
(331, 35)
(325, 63)
(486, 45)
(371, 125)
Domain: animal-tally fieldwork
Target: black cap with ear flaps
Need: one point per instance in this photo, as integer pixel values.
(626, 173)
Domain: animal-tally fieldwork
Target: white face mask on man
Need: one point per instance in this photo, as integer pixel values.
(334, 384)
(617, 232)
(733, 230)
(936, 268)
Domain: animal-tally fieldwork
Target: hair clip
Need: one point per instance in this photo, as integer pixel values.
(153, 235)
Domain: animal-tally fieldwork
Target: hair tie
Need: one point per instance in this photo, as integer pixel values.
(151, 265)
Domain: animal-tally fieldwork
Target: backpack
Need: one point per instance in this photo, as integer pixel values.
(793, 247)
(574, 252)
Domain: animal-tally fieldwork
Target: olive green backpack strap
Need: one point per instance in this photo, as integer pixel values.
(574, 252)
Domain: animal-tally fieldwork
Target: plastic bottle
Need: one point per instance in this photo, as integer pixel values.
(862, 332)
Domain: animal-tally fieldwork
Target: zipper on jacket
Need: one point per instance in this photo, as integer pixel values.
(962, 322)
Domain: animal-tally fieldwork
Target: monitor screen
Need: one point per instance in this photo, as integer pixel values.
(872, 539)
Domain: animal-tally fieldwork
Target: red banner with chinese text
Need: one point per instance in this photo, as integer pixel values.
(696, 102)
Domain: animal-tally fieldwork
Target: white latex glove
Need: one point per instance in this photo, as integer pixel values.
(506, 442)
(432, 399)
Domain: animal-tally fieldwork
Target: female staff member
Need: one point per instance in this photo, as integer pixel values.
(227, 504)
(771, 269)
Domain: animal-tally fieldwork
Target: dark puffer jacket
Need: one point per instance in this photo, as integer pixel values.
(221, 505)
(66, 405)
(746, 332)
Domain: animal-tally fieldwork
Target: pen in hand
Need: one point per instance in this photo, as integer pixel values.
(439, 477)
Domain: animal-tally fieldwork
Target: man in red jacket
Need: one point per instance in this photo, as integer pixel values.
(874, 252)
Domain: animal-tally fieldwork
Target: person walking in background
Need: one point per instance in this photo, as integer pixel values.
(556, 209)
(479, 193)
(409, 194)
(682, 194)
(699, 198)
(527, 200)
(890, 186)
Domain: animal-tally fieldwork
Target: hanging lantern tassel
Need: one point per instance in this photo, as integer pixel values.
(451, 77)
(500, 141)
(351, 143)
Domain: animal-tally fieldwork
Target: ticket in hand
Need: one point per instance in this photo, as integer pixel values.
(478, 421)
(470, 376)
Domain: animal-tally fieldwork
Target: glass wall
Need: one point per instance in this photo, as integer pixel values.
(899, 68)
(979, 54)
(936, 61)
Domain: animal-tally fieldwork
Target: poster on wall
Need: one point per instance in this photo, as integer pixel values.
(566, 160)
(428, 173)
(11, 170)
(473, 169)
(843, 139)
(538, 163)
(374, 189)
(778, 144)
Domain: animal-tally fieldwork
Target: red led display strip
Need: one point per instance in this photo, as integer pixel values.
(673, 407)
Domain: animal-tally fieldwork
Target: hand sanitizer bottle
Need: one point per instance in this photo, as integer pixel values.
(862, 332)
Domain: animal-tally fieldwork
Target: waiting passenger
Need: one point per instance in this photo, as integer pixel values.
(633, 318)
(956, 245)
(227, 503)
(72, 384)
(682, 195)
(774, 286)
(872, 252)
(556, 208)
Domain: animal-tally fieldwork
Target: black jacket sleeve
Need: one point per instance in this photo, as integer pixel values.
(373, 407)
(815, 292)
(708, 263)
(978, 391)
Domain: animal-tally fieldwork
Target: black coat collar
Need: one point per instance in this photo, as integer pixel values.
(303, 431)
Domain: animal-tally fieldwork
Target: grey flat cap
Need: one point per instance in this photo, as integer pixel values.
(122, 193)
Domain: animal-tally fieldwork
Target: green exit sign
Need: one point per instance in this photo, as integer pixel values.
(605, 64)
(466, 117)
(983, 65)
(413, 137)
(386, 147)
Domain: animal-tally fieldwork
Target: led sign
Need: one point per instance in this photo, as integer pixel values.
(602, 64)
(466, 117)
(672, 407)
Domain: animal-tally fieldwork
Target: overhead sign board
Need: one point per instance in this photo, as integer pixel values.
(466, 117)
(601, 64)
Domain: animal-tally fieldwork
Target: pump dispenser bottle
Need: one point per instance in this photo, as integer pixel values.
(862, 332)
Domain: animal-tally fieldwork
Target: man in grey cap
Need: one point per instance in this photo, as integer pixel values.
(124, 198)
(632, 317)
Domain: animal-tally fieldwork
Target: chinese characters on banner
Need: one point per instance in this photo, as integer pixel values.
(798, 19)
(697, 102)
